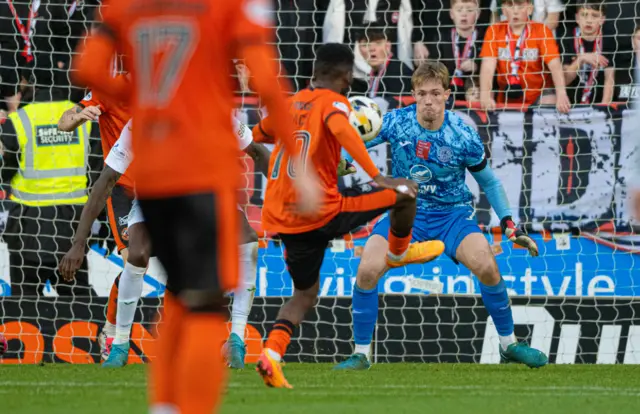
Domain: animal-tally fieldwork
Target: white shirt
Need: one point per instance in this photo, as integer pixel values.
(121, 154)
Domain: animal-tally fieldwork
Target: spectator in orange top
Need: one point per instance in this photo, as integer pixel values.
(518, 51)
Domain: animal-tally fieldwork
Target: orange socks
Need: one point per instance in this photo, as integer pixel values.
(162, 369)
(280, 336)
(398, 245)
(186, 375)
(112, 304)
(200, 371)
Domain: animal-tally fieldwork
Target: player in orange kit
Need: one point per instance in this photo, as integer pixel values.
(321, 114)
(178, 53)
(112, 117)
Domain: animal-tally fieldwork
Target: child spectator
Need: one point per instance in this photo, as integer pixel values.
(460, 46)
(518, 50)
(588, 57)
(544, 11)
(384, 75)
(472, 91)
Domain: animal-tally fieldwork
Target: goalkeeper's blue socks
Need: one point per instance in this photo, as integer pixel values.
(496, 301)
(365, 315)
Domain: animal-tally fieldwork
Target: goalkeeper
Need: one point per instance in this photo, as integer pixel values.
(434, 147)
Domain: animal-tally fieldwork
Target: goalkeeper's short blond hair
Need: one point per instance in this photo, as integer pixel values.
(430, 70)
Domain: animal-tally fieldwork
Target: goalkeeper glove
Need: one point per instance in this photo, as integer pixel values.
(345, 168)
(518, 236)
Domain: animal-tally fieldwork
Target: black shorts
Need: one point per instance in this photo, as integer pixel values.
(304, 252)
(118, 207)
(195, 237)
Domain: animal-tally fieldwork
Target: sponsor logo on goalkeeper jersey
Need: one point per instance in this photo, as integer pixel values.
(420, 173)
(50, 135)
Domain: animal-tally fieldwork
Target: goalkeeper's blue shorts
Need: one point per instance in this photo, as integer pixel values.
(450, 227)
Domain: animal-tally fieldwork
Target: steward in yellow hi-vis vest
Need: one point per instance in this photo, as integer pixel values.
(45, 172)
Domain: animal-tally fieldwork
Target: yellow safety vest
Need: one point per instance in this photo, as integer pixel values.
(53, 163)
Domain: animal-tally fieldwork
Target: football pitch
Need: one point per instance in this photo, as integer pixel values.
(386, 388)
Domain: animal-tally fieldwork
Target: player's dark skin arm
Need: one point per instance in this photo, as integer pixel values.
(101, 191)
(260, 156)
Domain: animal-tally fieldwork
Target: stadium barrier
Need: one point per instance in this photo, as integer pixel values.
(411, 329)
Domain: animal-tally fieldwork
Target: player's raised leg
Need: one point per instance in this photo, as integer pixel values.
(235, 348)
(130, 290)
(475, 253)
(305, 253)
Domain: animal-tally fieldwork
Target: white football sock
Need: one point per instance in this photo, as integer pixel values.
(505, 341)
(163, 409)
(128, 296)
(363, 349)
(109, 329)
(273, 354)
(243, 296)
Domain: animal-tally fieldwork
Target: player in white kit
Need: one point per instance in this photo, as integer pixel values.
(131, 281)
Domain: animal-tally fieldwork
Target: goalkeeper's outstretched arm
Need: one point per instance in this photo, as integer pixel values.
(494, 190)
(492, 187)
(95, 204)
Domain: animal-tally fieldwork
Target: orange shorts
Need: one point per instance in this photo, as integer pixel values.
(195, 237)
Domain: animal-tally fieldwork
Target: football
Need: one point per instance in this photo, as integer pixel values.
(366, 117)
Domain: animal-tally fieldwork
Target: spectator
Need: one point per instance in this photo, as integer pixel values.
(36, 39)
(544, 11)
(629, 83)
(296, 33)
(472, 89)
(432, 18)
(385, 76)
(47, 170)
(345, 19)
(460, 46)
(588, 57)
(518, 50)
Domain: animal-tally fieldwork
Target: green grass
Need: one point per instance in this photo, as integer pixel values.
(386, 388)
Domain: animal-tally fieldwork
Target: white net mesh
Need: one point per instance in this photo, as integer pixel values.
(566, 178)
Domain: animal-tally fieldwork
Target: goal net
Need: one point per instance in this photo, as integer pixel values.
(567, 177)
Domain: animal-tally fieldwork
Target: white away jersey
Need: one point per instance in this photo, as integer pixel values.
(121, 154)
(243, 132)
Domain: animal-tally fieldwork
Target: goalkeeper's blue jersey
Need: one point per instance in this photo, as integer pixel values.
(436, 160)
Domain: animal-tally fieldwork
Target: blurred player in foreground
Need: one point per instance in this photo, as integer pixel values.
(321, 114)
(186, 169)
(112, 116)
(117, 162)
(435, 147)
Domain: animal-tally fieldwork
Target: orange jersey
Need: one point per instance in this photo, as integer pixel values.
(321, 117)
(538, 48)
(113, 118)
(178, 53)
